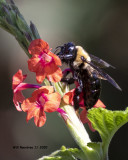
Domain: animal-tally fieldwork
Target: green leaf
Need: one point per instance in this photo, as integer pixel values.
(21, 23)
(3, 1)
(97, 147)
(107, 122)
(65, 154)
(34, 31)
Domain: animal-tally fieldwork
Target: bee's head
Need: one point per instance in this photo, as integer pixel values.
(67, 52)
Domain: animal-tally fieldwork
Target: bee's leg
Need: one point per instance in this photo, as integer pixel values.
(85, 101)
(76, 97)
(66, 72)
(77, 113)
(78, 90)
(68, 80)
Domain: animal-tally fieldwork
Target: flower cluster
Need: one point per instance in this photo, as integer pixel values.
(44, 98)
(45, 64)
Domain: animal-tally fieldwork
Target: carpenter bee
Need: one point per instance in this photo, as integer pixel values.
(87, 71)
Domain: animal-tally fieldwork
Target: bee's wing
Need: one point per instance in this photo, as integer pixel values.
(105, 76)
(99, 62)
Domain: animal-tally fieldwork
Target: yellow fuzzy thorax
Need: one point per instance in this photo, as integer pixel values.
(81, 52)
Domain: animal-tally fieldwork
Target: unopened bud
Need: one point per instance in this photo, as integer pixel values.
(34, 31)
(27, 35)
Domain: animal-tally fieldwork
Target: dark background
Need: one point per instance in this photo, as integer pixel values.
(101, 27)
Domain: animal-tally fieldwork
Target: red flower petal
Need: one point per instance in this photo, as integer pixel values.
(37, 46)
(52, 71)
(68, 97)
(53, 102)
(33, 64)
(84, 119)
(55, 76)
(18, 78)
(31, 112)
(35, 107)
(18, 98)
(90, 126)
(40, 77)
(50, 68)
(40, 119)
(99, 104)
(43, 89)
(29, 105)
(56, 58)
(44, 62)
(83, 116)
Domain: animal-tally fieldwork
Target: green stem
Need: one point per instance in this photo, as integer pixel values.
(46, 82)
(77, 125)
(58, 88)
(79, 133)
(105, 150)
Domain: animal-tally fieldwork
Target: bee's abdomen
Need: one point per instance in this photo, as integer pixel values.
(91, 90)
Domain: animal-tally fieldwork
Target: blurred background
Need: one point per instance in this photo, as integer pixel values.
(101, 27)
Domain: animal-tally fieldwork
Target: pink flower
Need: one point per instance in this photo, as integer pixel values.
(43, 62)
(18, 86)
(43, 100)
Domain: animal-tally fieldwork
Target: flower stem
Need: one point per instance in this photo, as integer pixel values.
(74, 123)
(46, 82)
(58, 88)
(78, 132)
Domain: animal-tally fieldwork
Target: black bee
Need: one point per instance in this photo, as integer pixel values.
(86, 69)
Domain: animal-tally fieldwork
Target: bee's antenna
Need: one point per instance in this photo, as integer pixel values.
(56, 49)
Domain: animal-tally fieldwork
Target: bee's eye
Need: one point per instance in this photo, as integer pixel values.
(71, 49)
